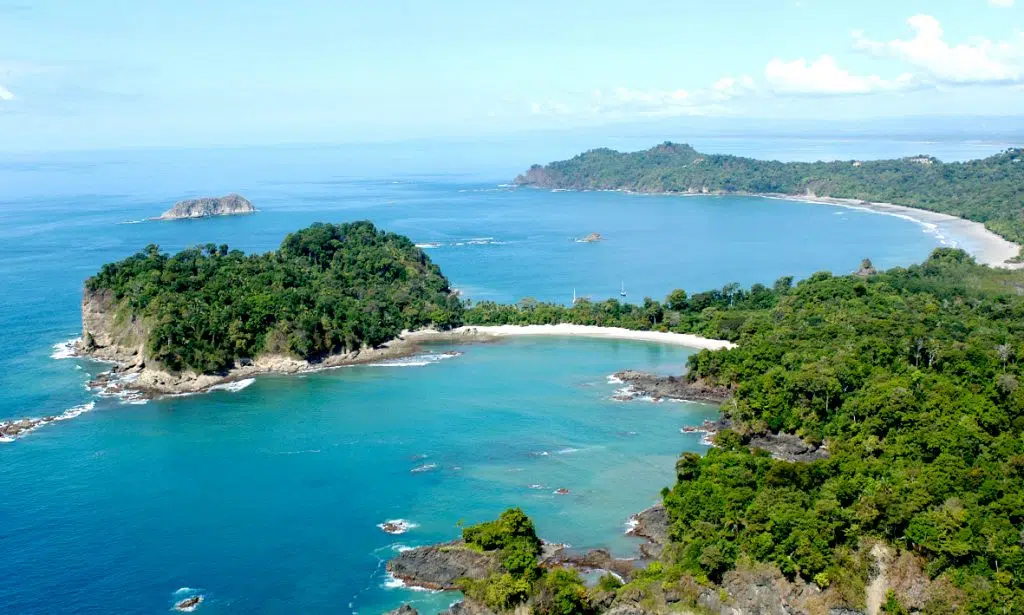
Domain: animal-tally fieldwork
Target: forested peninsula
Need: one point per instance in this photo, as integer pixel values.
(909, 378)
(328, 291)
(989, 191)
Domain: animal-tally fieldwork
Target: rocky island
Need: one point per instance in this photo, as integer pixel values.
(229, 205)
(331, 295)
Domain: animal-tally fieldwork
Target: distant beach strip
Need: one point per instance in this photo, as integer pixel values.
(469, 333)
(986, 246)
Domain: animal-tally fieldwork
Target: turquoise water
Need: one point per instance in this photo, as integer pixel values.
(267, 498)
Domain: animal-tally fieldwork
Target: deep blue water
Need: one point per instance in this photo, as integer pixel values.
(267, 498)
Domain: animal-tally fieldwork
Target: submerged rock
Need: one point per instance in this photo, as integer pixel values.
(209, 206)
(439, 566)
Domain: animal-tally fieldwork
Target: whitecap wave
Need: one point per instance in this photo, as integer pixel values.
(419, 360)
(613, 379)
(428, 245)
(233, 387)
(392, 582)
(427, 467)
(64, 350)
(140, 221)
(567, 451)
(631, 525)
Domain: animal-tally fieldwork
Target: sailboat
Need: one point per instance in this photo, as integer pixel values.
(622, 292)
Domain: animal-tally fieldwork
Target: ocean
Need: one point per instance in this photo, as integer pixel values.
(266, 498)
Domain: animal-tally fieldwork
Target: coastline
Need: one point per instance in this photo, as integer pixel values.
(471, 333)
(986, 247)
(131, 377)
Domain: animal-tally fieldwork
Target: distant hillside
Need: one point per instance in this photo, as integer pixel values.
(990, 190)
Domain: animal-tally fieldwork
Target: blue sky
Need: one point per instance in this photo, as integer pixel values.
(111, 73)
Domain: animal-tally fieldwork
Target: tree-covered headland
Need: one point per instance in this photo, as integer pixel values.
(912, 377)
(990, 190)
(328, 289)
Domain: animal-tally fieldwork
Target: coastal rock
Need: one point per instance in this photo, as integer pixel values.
(467, 607)
(642, 384)
(788, 447)
(439, 566)
(783, 446)
(208, 206)
(405, 609)
(591, 238)
(594, 559)
(188, 605)
(652, 524)
(761, 591)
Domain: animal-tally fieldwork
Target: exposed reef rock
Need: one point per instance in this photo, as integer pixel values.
(439, 566)
(209, 206)
(405, 609)
(642, 384)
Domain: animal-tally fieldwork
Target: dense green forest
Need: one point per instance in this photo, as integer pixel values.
(989, 190)
(329, 288)
(912, 377)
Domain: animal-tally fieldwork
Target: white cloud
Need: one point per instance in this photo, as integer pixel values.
(824, 76)
(6, 94)
(980, 61)
(732, 87)
(1001, 2)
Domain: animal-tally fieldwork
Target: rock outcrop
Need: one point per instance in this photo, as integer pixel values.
(642, 384)
(467, 607)
(439, 566)
(209, 206)
(405, 609)
(651, 524)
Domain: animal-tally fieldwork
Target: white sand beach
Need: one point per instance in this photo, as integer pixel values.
(986, 247)
(568, 330)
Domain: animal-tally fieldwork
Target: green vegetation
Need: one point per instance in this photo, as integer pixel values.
(912, 377)
(989, 190)
(715, 313)
(328, 289)
(549, 592)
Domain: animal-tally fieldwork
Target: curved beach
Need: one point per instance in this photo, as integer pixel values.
(987, 247)
(494, 332)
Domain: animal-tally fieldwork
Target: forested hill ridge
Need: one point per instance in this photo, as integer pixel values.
(912, 379)
(328, 289)
(990, 190)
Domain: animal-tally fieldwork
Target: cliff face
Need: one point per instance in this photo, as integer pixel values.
(201, 208)
(109, 332)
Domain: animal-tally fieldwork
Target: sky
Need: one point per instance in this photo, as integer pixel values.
(112, 73)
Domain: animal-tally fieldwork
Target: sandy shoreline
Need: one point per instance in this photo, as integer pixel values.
(987, 247)
(495, 332)
(133, 380)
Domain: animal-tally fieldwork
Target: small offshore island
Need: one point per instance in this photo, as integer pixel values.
(229, 205)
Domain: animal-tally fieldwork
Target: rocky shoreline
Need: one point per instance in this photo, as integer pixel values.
(642, 384)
